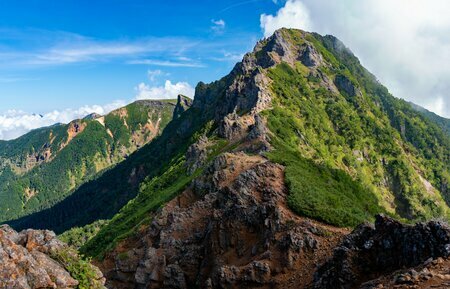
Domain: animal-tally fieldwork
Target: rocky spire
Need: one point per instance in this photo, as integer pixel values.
(183, 103)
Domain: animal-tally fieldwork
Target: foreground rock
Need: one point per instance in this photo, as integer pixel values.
(371, 252)
(37, 259)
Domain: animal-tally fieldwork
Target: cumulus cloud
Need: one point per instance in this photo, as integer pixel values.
(293, 15)
(15, 123)
(168, 91)
(405, 43)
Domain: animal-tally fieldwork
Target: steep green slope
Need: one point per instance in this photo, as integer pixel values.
(443, 122)
(44, 166)
(103, 196)
(355, 125)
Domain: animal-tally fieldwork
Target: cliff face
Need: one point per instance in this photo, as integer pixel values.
(371, 251)
(226, 230)
(36, 259)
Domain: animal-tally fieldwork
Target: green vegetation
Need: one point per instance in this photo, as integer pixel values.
(322, 193)
(45, 166)
(344, 159)
(350, 150)
(152, 195)
(78, 236)
(442, 122)
(79, 268)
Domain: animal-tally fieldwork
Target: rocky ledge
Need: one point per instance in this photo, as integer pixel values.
(37, 259)
(372, 255)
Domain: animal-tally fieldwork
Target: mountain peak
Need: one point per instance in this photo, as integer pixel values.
(183, 103)
(92, 116)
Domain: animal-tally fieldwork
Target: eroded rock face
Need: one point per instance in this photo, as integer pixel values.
(228, 229)
(371, 251)
(183, 103)
(25, 260)
(197, 154)
(346, 86)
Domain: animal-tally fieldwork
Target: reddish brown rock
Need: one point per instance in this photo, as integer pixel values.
(26, 262)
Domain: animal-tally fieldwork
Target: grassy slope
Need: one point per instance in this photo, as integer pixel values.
(168, 176)
(346, 157)
(352, 135)
(105, 195)
(81, 160)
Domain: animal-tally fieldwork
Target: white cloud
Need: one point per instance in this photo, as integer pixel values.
(229, 56)
(293, 15)
(437, 105)
(168, 91)
(405, 43)
(15, 123)
(218, 25)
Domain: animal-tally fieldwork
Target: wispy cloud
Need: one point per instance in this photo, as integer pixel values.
(14, 123)
(62, 48)
(237, 4)
(167, 63)
(153, 75)
(218, 26)
(229, 56)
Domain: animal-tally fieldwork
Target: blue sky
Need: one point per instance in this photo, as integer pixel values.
(65, 58)
(44, 65)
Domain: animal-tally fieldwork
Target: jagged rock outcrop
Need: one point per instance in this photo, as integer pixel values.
(197, 154)
(229, 228)
(26, 261)
(183, 103)
(346, 86)
(433, 273)
(371, 251)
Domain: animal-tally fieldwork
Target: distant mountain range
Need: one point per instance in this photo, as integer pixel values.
(41, 168)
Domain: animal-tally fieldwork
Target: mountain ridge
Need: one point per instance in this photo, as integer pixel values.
(303, 105)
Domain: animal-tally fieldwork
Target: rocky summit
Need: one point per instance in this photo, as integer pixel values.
(37, 259)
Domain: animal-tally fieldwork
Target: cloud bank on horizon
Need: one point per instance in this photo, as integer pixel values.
(15, 123)
(405, 43)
